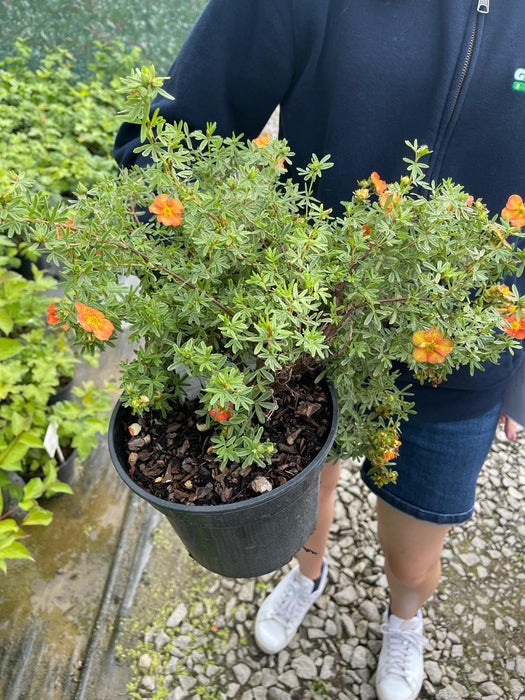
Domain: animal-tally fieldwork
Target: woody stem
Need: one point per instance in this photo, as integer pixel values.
(154, 266)
(170, 273)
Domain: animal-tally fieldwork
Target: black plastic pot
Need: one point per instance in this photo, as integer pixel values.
(63, 393)
(243, 539)
(67, 469)
(26, 269)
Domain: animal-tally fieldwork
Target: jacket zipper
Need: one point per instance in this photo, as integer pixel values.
(483, 8)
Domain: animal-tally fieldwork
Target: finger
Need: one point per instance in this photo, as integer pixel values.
(510, 429)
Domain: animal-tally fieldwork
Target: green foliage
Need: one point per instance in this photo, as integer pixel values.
(320, 688)
(80, 422)
(259, 282)
(34, 361)
(57, 126)
(75, 25)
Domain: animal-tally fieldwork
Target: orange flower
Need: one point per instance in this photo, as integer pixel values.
(514, 327)
(66, 224)
(220, 413)
(94, 321)
(389, 197)
(262, 140)
(514, 210)
(468, 202)
(366, 230)
(168, 210)
(430, 346)
(393, 451)
(52, 317)
(501, 294)
(380, 185)
(501, 289)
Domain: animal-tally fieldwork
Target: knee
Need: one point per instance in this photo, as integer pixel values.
(412, 574)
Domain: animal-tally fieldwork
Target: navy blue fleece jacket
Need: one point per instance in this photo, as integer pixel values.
(355, 79)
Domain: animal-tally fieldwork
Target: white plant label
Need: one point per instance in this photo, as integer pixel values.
(51, 441)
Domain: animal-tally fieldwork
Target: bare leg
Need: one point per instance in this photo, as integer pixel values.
(412, 550)
(284, 609)
(310, 557)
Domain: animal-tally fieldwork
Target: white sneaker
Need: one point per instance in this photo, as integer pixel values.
(399, 674)
(284, 609)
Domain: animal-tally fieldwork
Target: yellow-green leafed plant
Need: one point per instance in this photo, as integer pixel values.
(34, 360)
(57, 125)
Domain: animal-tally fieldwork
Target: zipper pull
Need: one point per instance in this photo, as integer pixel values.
(484, 6)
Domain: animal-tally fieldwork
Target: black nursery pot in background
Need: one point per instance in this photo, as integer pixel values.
(63, 393)
(244, 539)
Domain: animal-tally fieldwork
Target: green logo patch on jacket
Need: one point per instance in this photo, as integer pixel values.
(519, 79)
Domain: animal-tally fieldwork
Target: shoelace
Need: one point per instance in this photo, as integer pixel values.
(294, 598)
(399, 642)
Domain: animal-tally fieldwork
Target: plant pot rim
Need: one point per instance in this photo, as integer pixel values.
(255, 501)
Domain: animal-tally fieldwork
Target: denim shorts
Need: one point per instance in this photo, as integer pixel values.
(438, 467)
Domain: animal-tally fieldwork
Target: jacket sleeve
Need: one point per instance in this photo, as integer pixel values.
(234, 68)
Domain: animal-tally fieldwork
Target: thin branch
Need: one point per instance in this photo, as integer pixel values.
(331, 329)
(170, 273)
(147, 259)
(133, 212)
(9, 512)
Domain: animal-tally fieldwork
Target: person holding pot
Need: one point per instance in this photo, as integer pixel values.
(356, 80)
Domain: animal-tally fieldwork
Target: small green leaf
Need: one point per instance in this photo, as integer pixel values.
(7, 526)
(6, 322)
(19, 423)
(27, 504)
(31, 440)
(38, 516)
(59, 487)
(7, 540)
(33, 489)
(9, 348)
(11, 456)
(16, 551)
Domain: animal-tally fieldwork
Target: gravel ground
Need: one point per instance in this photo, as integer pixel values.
(203, 648)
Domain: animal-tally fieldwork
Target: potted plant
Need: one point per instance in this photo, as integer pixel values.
(41, 435)
(252, 288)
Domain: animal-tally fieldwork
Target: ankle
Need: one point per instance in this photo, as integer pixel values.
(285, 608)
(322, 575)
(402, 612)
(313, 572)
